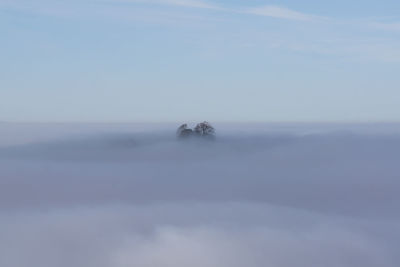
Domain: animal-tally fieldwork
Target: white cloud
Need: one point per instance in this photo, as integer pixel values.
(280, 12)
(182, 3)
(188, 3)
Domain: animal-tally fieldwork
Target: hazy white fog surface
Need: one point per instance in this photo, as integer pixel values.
(122, 195)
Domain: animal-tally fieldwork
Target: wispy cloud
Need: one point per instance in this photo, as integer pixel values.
(386, 26)
(357, 33)
(182, 3)
(280, 12)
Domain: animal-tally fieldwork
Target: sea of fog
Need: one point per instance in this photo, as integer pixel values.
(260, 195)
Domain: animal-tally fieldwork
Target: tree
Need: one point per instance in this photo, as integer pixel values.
(183, 131)
(203, 129)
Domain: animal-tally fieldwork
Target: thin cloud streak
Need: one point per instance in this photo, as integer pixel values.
(280, 13)
(273, 11)
(181, 3)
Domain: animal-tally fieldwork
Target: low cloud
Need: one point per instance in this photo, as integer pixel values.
(203, 235)
(74, 195)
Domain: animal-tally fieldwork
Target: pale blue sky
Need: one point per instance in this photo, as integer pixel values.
(176, 60)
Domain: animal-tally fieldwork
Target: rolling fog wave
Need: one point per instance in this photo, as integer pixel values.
(114, 147)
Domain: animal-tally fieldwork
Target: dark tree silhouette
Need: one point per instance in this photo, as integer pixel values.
(203, 129)
(183, 131)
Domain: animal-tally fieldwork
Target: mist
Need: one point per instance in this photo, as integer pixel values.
(118, 195)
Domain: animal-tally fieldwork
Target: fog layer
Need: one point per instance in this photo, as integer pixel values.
(258, 195)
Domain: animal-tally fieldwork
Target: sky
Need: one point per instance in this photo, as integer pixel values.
(217, 60)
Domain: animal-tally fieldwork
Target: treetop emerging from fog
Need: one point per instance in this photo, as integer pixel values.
(203, 129)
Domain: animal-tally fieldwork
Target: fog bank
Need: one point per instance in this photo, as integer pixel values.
(259, 195)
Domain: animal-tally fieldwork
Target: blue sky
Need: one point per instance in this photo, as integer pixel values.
(176, 60)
